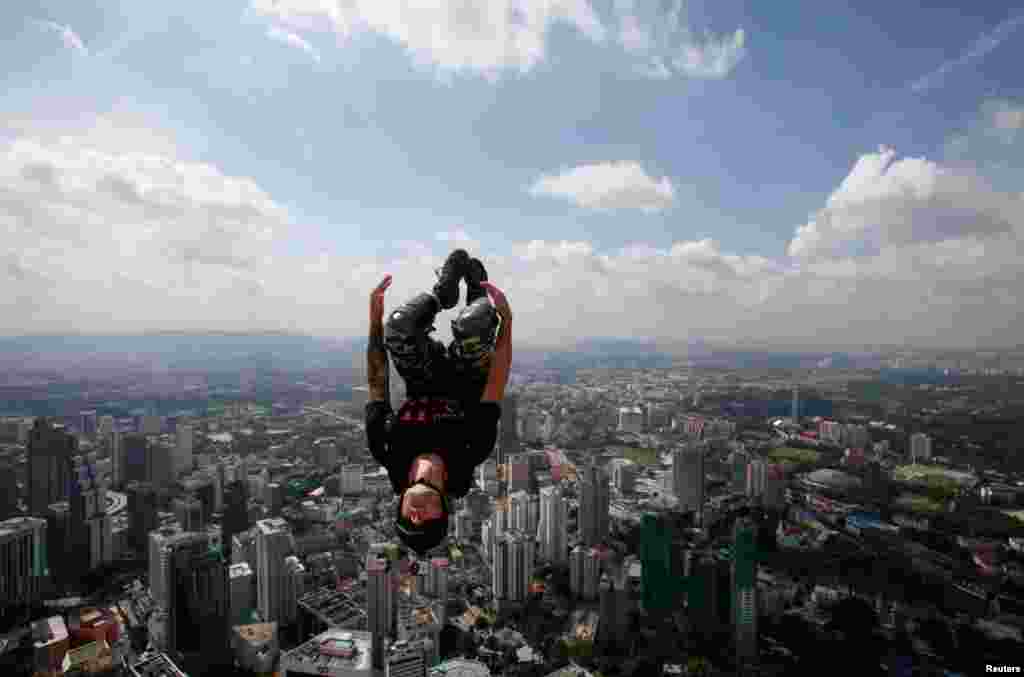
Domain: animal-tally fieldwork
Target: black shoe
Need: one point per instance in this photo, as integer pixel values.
(475, 274)
(447, 287)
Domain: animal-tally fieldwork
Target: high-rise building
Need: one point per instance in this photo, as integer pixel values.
(49, 453)
(134, 454)
(920, 447)
(512, 566)
(523, 511)
(352, 479)
(576, 558)
(62, 536)
(160, 562)
(151, 424)
(688, 476)
(857, 436)
(624, 473)
(326, 455)
(553, 531)
(92, 543)
(437, 581)
(236, 514)
(658, 587)
(142, 512)
(744, 589)
(189, 512)
(738, 470)
(182, 450)
(795, 413)
(595, 501)
(757, 477)
(509, 425)
(831, 431)
(380, 605)
(517, 472)
(242, 584)
(201, 598)
(274, 543)
(113, 446)
(105, 426)
(159, 462)
(87, 423)
(631, 420)
(8, 490)
(23, 561)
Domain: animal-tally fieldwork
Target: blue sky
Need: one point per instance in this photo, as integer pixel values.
(661, 177)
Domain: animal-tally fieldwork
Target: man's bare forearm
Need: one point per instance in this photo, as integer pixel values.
(377, 368)
(501, 365)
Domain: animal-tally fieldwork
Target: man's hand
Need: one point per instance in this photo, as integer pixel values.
(499, 300)
(377, 301)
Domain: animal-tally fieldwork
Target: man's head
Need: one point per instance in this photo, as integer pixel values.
(422, 515)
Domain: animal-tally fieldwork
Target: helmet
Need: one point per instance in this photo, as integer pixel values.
(424, 536)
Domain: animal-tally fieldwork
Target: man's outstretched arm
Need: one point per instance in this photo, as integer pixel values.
(501, 361)
(377, 368)
(378, 408)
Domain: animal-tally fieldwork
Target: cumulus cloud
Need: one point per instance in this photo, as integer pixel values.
(887, 201)
(285, 37)
(607, 186)
(489, 38)
(66, 34)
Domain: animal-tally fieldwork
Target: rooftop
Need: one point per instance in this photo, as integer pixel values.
(330, 651)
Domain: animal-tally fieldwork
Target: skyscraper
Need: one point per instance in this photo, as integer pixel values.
(657, 585)
(594, 504)
(744, 589)
(23, 562)
(920, 447)
(189, 511)
(274, 542)
(688, 476)
(509, 425)
(553, 534)
(142, 512)
(182, 450)
(8, 490)
(134, 450)
(49, 473)
(200, 611)
(380, 605)
(236, 514)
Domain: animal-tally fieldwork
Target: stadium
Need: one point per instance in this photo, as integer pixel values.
(833, 481)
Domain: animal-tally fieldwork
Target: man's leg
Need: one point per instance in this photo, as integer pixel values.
(420, 360)
(474, 332)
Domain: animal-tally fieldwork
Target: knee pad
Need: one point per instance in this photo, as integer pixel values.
(475, 330)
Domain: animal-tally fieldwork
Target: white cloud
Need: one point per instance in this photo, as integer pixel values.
(607, 186)
(289, 38)
(665, 45)
(885, 201)
(67, 35)
(489, 38)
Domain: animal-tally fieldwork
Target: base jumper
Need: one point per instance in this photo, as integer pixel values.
(447, 425)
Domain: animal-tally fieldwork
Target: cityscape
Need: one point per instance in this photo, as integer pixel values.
(677, 520)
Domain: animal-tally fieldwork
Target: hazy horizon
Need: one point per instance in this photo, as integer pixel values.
(726, 172)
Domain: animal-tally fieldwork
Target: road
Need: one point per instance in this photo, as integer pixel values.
(338, 417)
